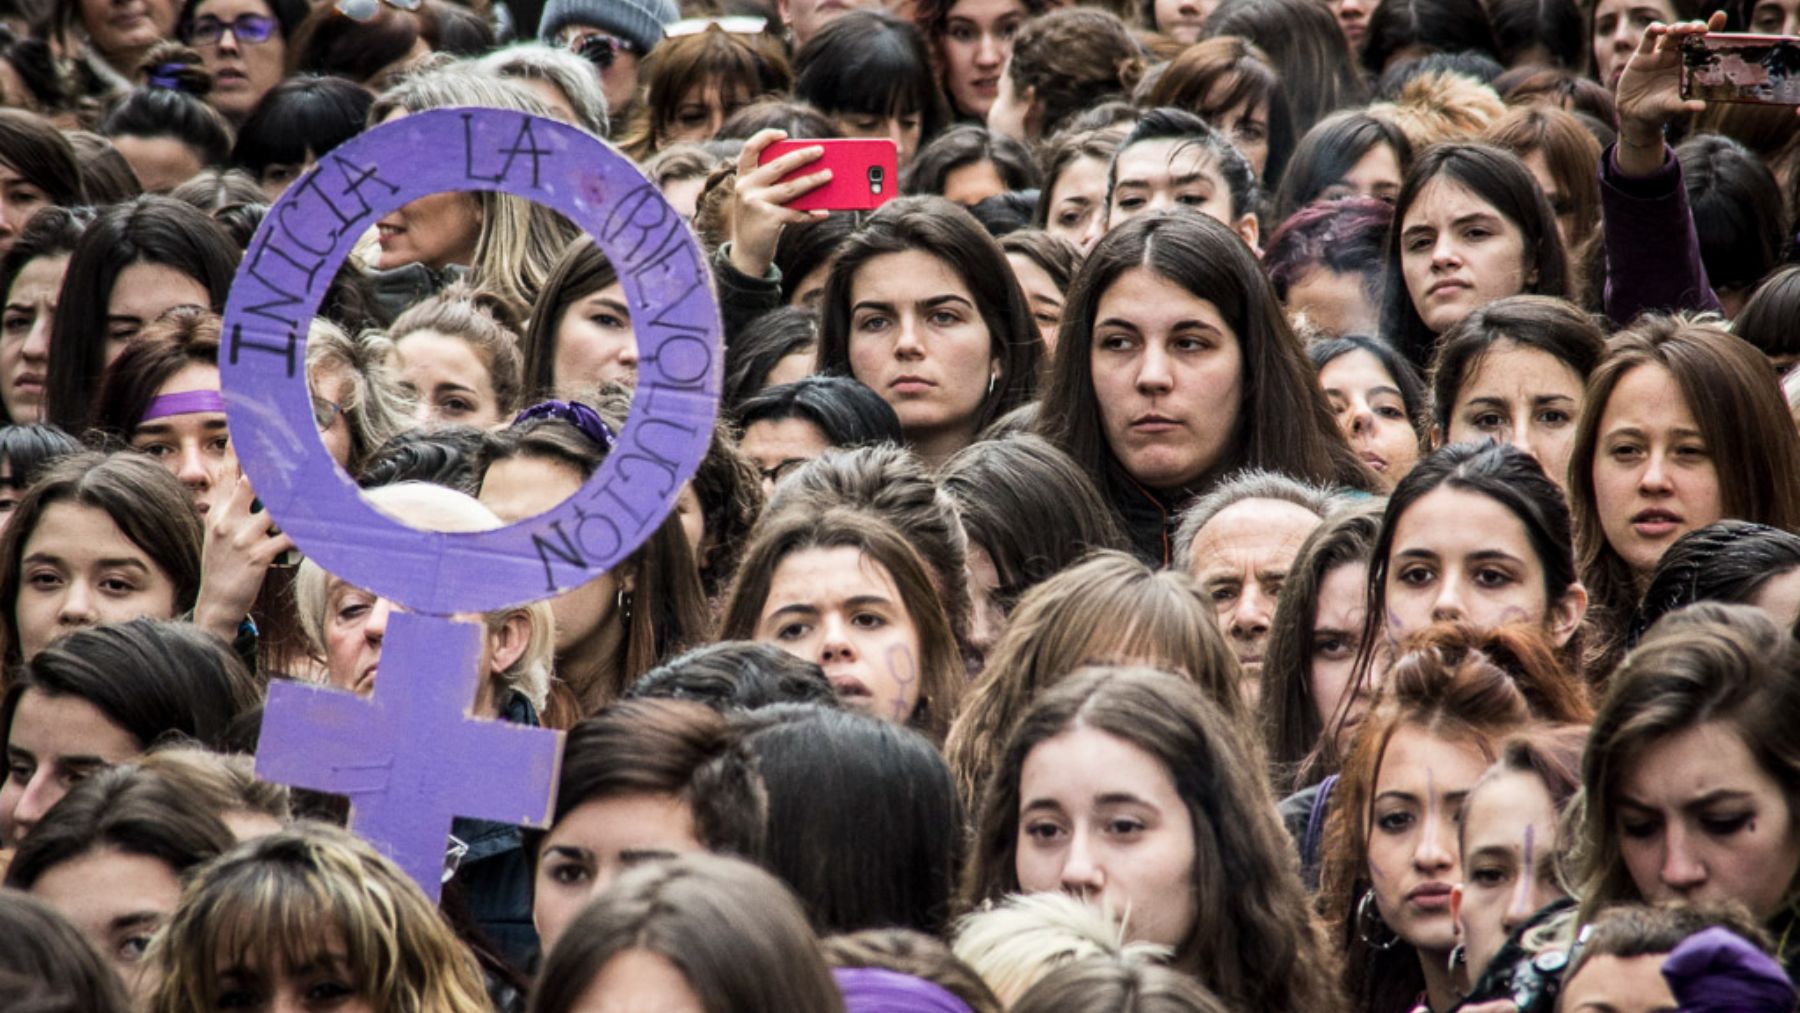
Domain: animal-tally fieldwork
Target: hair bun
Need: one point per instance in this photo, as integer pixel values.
(177, 67)
(1131, 71)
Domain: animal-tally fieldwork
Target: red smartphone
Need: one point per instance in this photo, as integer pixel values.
(1764, 69)
(865, 173)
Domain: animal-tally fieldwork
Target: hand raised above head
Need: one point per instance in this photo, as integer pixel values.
(759, 201)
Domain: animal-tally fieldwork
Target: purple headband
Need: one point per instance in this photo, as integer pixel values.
(576, 414)
(879, 990)
(188, 402)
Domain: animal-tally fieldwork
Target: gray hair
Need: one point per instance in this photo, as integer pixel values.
(438, 508)
(1251, 483)
(562, 70)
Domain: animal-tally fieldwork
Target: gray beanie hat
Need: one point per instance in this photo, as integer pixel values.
(639, 22)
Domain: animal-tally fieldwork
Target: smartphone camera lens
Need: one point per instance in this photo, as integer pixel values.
(875, 178)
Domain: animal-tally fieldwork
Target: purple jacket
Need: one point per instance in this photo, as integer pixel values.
(1652, 251)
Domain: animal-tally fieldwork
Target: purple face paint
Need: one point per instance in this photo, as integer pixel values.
(1525, 881)
(904, 669)
(409, 757)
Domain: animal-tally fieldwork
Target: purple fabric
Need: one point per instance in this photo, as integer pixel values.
(576, 414)
(1719, 971)
(879, 990)
(188, 402)
(1652, 251)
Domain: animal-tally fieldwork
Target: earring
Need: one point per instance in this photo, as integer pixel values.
(623, 604)
(1367, 916)
(992, 379)
(1459, 955)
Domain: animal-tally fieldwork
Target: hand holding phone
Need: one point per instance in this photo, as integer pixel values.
(865, 173)
(760, 197)
(1761, 69)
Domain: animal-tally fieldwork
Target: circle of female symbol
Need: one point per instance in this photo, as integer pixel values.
(410, 758)
(309, 233)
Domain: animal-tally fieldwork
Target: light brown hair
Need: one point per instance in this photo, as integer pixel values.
(1743, 421)
(1107, 609)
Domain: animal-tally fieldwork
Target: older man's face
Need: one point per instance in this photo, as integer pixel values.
(1241, 558)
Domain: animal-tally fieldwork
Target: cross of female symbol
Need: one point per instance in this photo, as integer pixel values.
(410, 758)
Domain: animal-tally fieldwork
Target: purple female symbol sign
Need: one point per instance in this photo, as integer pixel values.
(409, 758)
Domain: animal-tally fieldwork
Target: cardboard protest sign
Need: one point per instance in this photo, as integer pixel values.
(410, 758)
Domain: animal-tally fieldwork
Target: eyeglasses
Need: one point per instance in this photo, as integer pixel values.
(365, 10)
(249, 29)
(325, 413)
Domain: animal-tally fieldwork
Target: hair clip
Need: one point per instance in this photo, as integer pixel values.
(166, 75)
(576, 414)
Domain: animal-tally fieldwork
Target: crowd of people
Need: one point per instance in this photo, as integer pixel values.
(1294, 506)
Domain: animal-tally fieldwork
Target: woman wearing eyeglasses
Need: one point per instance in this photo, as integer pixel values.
(243, 44)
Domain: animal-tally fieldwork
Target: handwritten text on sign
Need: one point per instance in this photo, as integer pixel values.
(290, 263)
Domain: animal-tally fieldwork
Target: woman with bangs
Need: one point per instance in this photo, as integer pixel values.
(1109, 609)
(872, 74)
(695, 82)
(1513, 372)
(1234, 87)
(306, 918)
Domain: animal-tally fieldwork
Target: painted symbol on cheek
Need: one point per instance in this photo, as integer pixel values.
(1530, 840)
(903, 668)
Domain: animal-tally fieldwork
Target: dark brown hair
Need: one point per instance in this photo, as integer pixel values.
(1252, 941)
(744, 67)
(948, 232)
(735, 933)
(1072, 59)
(666, 747)
(184, 336)
(125, 809)
(940, 671)
(1103, 610)
(1284, 423)
(911, 952)
(149, 505)
(1214, 76)
(1292, 731)
(1724, 664)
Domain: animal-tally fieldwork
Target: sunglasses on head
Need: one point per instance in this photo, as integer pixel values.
(248, 29)
(736, 24)
(365, 10)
